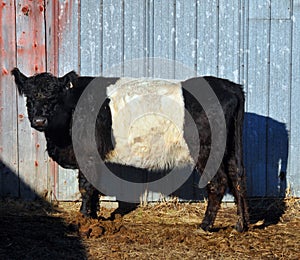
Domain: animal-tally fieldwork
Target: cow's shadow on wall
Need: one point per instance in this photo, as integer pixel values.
(265, 157)
(266, 145)
(27, 231)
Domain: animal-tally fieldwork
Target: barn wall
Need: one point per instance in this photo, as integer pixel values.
(254, 43)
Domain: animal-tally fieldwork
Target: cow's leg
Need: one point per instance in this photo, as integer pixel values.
(238, 188)
(215, 191)
(236, 173)
(90, 197)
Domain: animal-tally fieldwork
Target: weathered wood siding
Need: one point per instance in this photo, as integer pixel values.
(255, 43)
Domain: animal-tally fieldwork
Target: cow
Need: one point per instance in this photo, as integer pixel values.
(51, 102)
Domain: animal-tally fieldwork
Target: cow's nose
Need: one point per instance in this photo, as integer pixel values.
(40, 121)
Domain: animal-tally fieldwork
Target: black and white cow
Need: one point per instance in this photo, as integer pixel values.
(51, 102)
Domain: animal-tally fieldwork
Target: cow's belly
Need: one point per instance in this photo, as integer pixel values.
(147, 124)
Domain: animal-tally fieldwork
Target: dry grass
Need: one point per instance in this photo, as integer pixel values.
(166, 230)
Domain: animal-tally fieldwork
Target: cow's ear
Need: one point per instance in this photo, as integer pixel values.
(20, 80)
(66, 80)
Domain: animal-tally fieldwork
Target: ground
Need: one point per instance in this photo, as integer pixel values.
(165, 230)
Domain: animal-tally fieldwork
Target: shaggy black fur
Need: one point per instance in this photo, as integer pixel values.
(52, 98)
(231, 173)
(51, 102)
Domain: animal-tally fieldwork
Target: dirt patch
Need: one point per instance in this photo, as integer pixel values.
(37, 230)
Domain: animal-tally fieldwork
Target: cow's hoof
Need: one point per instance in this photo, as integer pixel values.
(241, 226)
(206, 226)
(84, 213)
(87, 214)
(93, 215)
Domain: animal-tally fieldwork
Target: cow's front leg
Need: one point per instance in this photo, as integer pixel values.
(90, 197)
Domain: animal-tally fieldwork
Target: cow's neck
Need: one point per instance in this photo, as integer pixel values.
(59, 137)
(60, 149)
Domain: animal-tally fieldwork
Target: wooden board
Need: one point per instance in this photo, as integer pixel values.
(31, 53)
(9, 181)
(68, 60)
(294, 140)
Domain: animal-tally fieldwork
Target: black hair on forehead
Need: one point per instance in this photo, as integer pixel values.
(44, 78)
(44, 84)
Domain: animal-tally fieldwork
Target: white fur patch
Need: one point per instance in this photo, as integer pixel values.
(147, 123)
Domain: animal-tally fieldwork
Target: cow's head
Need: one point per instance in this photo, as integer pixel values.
(45, 96)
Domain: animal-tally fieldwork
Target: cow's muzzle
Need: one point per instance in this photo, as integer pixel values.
(39, 123)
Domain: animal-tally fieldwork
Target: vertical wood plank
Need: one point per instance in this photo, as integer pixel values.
(68, 36)
(229, 53)
(185, 40)
(150, 11)
(51, 27)
(51, 30)
(279, 106)
(164, 38)
(294, 152)
(257, 97)
(9, 183)
(207, 37)
(113, 37)
(91, 38)
(246, 131)
(259, 9)
(243, 45)
(135, 52)
(68, 59)
(281, 9)
(31, 59)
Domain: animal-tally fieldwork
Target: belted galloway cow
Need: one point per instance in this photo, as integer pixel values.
(153, 143)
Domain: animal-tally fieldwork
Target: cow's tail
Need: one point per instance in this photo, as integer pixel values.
(241, 183)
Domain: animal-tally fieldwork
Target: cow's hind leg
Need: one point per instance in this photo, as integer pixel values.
(236, 173)
(90, 197)
(216, 189)
(237, 184)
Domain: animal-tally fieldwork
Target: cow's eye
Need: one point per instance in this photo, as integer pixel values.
(39, 95)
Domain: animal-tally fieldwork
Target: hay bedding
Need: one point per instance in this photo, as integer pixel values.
(35, 230)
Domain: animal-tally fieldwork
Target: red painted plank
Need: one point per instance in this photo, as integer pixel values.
(69, 36)
(31, 35)
(31, 58)
(9, 183)
(52, 36)
(52, 45)
(68, 21)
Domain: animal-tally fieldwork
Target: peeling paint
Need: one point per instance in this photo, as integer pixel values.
(25, 10)
(4, 72)
(31, 45)
(51, 12)
(21, 116)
